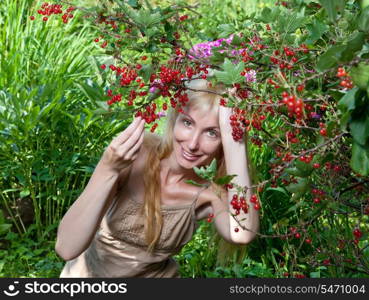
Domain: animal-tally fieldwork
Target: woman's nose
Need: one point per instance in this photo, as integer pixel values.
(194, 142)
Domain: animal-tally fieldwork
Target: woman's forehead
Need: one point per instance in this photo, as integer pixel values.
(201, 114)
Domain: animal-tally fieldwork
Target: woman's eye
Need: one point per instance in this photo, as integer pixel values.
(212, 133)
(186, 122)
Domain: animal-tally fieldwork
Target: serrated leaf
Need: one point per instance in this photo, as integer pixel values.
(225, 179)
(231, 73)
(360, 76)
(225, 30)
(236, 41)
(330, 58)
(347, 102)
(333, 7)
(145, 17)
(301, 186)
(278, 189)
(289, 23)
(213, 166)
(146, 71)
(354, 44)
(194, 183)
(316, 30)
(269, 15)
(345, 119)
(363, 21)
(94, 92)
(359, 128)
(360, 159)
(304, 168)
(294, 172)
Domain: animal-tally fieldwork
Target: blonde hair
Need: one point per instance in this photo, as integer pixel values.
(201, 96)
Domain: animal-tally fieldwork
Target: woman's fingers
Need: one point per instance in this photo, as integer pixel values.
(125, 134)
(132, 153)
(124, 148)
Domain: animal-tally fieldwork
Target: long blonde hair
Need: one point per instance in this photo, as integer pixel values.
(202, 96)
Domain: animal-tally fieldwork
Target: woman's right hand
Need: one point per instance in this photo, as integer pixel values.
(124, 148)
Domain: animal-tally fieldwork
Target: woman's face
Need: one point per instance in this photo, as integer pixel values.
(196, 137)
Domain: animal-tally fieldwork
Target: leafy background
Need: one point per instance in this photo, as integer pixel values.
(52, 133)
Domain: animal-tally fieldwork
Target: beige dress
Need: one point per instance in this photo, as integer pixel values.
(118, 248)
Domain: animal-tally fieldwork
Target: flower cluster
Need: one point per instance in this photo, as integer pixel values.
(203, 50)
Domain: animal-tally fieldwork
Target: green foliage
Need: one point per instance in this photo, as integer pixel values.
(230, 73)
(54, 124)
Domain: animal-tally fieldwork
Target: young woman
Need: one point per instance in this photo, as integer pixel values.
(137, 210)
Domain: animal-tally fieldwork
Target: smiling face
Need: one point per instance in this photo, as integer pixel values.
(196, 137)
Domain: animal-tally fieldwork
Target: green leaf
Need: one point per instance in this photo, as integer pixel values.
(345, 119)
(146, 18)
(333, 7)
(278, 189)
(330, 58)
(301, 186)
(207, 172)
(213, 166)
(225, 179)
(225, 30)
(236, 41)
(289, 23)
(294, 172)
(328, 158)
(354, 44)
(316, 30)
(347, 102)
(92, 91)
(360, 159)
(132, 3)
(359, 128)
(304, 168)
(4, 228)
(231, 73)
(269, 15)
(315, 274)
(295, 197)
(360, 75)
(363, 21)
(194, 183)
(146, 71)
(364, 4)
(24, 193)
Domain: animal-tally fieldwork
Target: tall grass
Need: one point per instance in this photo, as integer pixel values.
(50, 138)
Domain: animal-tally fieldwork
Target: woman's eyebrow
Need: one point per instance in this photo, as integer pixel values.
(210, 127)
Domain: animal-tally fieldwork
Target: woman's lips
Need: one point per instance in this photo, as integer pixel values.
(189, 157)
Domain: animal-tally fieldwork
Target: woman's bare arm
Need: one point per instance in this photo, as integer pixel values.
(78, 226)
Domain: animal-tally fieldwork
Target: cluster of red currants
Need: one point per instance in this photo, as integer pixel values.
(358, 234)
(346, 81)
(54, 9)
(317, 194)
(237, 121)
(183, 18)
(295, 106)
(288, 58)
